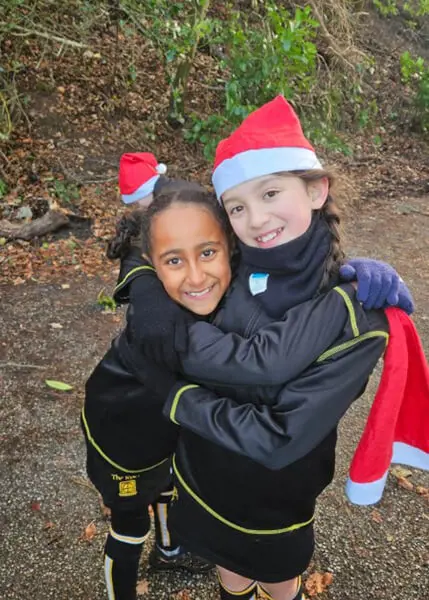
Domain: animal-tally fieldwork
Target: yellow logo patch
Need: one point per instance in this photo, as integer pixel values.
(128, 488)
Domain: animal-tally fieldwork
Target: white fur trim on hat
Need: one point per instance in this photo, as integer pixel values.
(141, 192)
(255, 163)
(371, 492)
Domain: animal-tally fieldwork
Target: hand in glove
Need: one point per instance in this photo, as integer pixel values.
(378, 284)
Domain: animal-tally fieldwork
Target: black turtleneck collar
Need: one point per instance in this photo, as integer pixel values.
(293, 271)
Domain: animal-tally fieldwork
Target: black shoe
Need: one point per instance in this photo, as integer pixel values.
(184, 561)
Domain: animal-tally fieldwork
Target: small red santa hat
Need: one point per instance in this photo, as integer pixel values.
(138, 174)
(269, 140)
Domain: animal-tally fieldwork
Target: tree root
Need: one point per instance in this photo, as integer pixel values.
(51, 221)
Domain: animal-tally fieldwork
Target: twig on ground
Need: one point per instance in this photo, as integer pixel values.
(4, 157)
(19, 31)
(82, 482)
(16, 365)
(419, 212)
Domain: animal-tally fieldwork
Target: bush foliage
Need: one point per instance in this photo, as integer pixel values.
(258, 48)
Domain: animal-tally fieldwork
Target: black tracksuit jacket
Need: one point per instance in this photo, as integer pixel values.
(258, 456)
(123, 417)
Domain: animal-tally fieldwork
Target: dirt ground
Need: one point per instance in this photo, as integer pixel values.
(46, 504)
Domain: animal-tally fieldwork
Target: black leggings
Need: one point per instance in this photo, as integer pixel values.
(124, 545)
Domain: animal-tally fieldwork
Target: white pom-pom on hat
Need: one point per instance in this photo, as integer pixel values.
(161, 169)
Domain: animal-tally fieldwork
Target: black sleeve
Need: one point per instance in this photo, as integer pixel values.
(278, 352)
(305, 410)
(157, 326)
(132, 266)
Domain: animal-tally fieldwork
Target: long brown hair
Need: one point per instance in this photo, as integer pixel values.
(330, 213)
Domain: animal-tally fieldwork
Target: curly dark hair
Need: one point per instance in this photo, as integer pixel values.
(185, 192)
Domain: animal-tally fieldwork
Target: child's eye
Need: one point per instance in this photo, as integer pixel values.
(208, 253)
(236, 209)
(270, 194)
(174, 261)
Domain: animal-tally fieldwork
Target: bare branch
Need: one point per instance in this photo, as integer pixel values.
(19, 31)
(15, 365)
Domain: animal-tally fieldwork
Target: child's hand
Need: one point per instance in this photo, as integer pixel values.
(160, 325)
(378, 284)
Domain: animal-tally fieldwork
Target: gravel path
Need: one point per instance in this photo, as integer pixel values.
(381, 553)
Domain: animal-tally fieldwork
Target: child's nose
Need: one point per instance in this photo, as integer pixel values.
(196, 275)
(257, 219)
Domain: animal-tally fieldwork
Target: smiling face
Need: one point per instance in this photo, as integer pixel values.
(190, 253)
(273, 209)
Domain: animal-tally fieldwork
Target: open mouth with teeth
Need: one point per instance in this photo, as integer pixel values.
(267, 238)
(200, 294)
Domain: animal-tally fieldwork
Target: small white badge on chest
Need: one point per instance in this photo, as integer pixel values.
(258, 283)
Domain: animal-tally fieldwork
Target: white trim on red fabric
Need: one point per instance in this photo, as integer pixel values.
(264, 161)
(372, 492)
(144, 190)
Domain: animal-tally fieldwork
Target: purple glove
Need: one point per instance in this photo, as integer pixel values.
(379, 285)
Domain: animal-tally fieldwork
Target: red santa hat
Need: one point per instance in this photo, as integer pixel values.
(269, 140)
(138, 174)
(397, 429)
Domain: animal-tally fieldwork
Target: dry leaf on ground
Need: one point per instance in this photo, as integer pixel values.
(376, 516)
(404, 483)
(317, 583)
(89, 533)
(422, 491)
(400, 472)
(184, 594)
(142, 587)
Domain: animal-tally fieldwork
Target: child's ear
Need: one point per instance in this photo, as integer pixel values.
(318, 192)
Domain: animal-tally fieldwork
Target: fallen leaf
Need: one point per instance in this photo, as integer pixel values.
(58, 385)
(65, 286)
(400, 472)
(404, 483)
(48, 525)
(35, 506)
(317, 583)
(89, 533)
(142, 587)
(56, 325)
(376, 516)
(422, 491)
(183, 595)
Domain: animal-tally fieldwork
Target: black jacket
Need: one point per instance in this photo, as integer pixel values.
(257, 456)
(122, 415)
